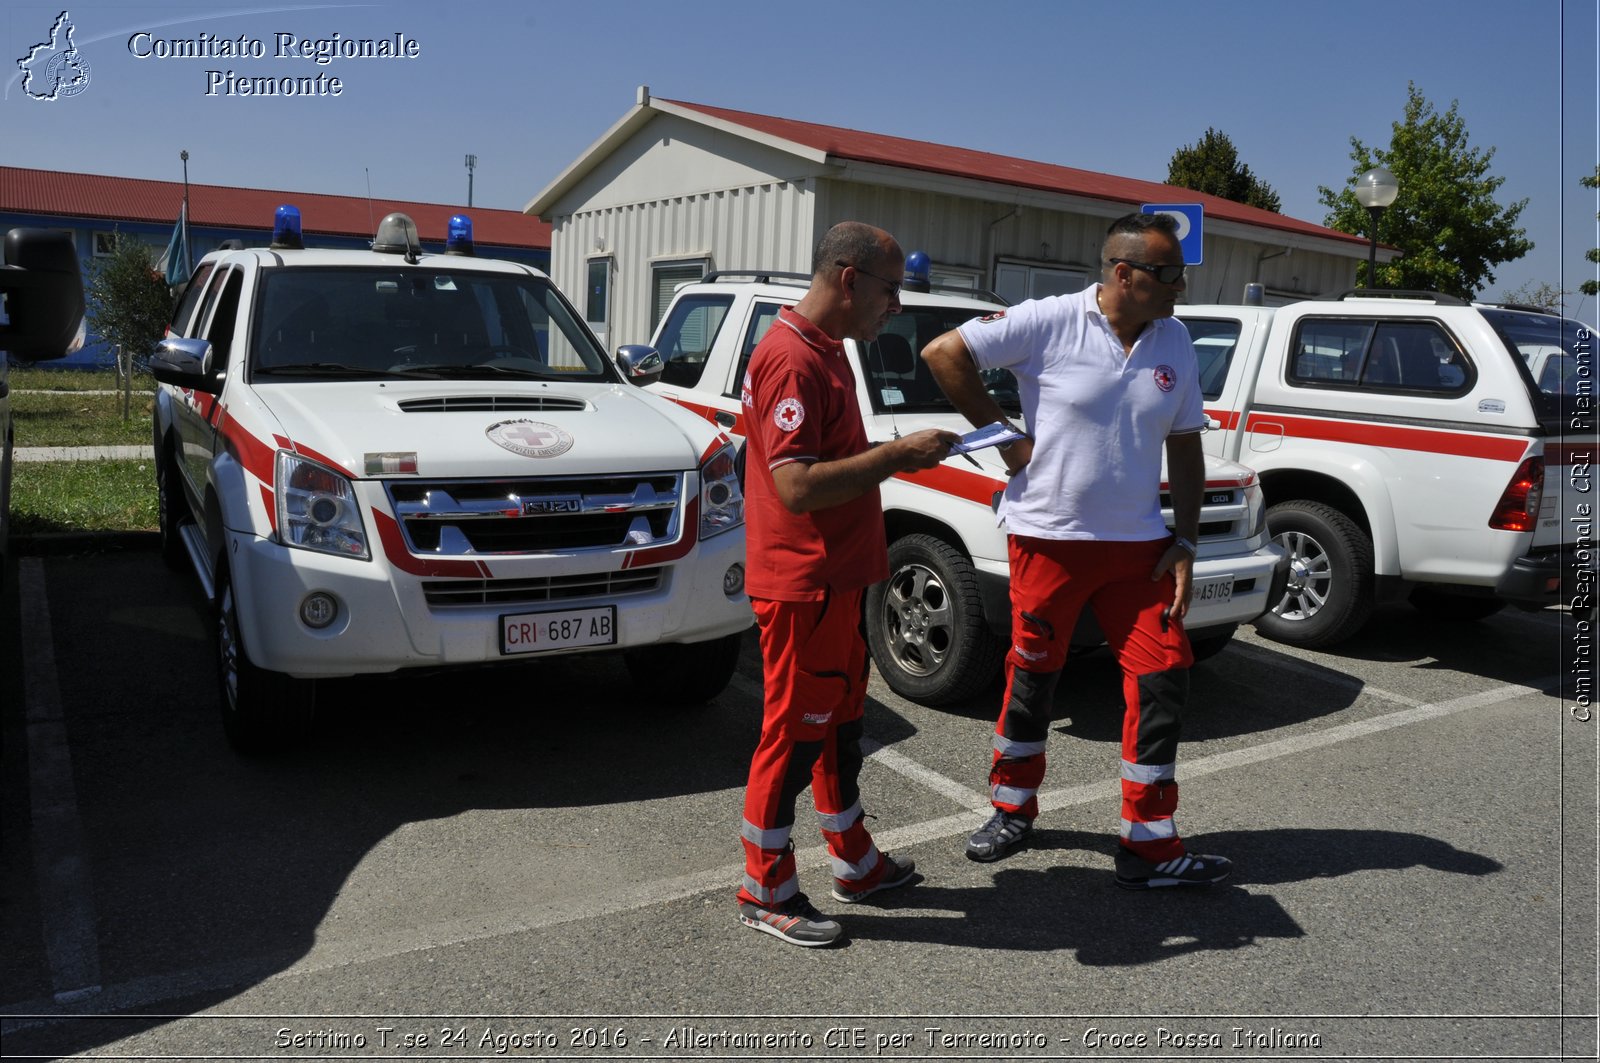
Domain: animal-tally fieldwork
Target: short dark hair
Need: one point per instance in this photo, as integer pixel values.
(852, 242)
(1139, 224)
(1128, 233)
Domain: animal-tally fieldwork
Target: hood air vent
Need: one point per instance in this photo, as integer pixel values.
(491, 404)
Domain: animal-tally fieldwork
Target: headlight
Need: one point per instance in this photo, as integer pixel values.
(721, 498)
(317, 508)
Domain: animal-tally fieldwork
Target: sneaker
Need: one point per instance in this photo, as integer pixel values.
(794, 920)
(1190, 869)
(896, 873)
(1003, 833)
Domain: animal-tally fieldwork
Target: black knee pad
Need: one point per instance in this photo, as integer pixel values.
(1162, 696)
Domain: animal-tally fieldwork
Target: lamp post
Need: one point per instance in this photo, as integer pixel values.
(188, 263)
(1376, 190)
(472, 163)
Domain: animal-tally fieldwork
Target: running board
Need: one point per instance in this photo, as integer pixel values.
(190, 533)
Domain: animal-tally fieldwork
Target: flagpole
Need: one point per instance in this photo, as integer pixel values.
(188, 258)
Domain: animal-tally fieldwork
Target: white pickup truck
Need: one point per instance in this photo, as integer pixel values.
(387, 460)
(1410, 445)
(939, 626)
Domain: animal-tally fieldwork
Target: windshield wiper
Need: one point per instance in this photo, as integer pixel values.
(320, 369)
(474, 371)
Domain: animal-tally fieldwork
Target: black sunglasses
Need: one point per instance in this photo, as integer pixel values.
(894, 289)
(1168, 274)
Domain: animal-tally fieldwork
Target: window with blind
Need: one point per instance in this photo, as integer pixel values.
(664, 280)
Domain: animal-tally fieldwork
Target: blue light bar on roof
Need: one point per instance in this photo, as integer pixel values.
(458, 235)
(286, 227)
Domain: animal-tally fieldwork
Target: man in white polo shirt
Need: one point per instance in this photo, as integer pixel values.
(1108, 382)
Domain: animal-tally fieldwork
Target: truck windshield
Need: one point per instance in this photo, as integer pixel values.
(1559, 358)
(898, 379)
(418, 322)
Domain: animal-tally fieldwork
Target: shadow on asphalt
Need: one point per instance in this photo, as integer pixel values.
(1111, 927)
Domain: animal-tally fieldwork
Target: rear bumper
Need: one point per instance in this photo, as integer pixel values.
(1548, 578)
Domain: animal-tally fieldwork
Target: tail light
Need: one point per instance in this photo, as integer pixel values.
(1518, 508)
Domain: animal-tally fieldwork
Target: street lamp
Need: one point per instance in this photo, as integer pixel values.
(472, 163)
(1376, 190)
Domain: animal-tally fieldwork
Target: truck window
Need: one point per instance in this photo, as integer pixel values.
(1215, 340)
(1416, 357)
(686, 339)
(762, 315)
(183, 319)
(220, 330)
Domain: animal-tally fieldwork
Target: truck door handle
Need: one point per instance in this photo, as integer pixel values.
(725, 419)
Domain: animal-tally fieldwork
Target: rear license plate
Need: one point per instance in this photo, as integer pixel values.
(1213, 590)
(558, 629)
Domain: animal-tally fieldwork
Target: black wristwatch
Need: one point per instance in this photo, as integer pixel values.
(1185, 544)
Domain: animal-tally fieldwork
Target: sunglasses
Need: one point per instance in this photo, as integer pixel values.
(1164, 274)
(894, 289)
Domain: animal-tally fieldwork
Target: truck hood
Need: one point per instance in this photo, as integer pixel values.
(486, 428)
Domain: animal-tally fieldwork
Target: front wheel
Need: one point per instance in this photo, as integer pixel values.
(171, 507)
(1329, 594)
(684, 674)
(262, 711)
(925, 624)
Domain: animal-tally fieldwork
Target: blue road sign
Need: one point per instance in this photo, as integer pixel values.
(1191, 222)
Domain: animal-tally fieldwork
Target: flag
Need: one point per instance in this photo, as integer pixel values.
(175, 260)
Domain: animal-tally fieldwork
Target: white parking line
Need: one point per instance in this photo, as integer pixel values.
(61, 863)
(328, 954)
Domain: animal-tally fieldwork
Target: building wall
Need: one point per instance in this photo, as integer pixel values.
(759, 226)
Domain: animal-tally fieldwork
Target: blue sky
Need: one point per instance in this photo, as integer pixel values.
(527, 86)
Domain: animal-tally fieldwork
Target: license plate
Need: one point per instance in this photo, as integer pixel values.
(1213, 590)
(558, 629)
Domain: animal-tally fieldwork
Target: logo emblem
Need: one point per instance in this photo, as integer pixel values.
(552, 504)
(1165, 378)
(55, 69)
(531, 439)
(788, 414)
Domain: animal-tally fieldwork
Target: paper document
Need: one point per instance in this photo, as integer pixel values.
(997, 434)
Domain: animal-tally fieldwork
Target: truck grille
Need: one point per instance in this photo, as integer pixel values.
(455, 518)
(608, 585)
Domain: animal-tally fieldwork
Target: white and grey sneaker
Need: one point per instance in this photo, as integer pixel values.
(1191, 869)
(795, 920)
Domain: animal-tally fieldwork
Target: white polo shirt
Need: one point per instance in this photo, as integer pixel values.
(1099, 419)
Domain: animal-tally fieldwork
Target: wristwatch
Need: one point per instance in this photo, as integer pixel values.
(1185, 544)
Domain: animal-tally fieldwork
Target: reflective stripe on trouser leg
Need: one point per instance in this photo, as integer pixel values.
(1149, 756)
(836, 790)
(1017, 768)
(769, 868)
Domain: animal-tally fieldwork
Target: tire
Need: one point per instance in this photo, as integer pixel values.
(171, 512)
(262, 711)
(925, 624)
(1454, 607)
(684, 674)
(1329, 595)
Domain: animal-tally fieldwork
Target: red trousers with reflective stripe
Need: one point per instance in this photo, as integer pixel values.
(1051, 582)
(814, 671)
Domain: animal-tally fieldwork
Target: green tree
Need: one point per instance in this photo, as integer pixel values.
(1592, 286)
(128, 303)
(1544, 295)
(1212, 166)
(1446, 223)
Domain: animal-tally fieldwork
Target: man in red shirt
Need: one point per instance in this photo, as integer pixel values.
(814, 541)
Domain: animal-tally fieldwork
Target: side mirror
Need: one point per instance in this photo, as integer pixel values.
(43, 292)
(185, 363)
(641, 364)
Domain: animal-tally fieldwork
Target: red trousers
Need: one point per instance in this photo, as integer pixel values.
(1051, 581)
(814, 671)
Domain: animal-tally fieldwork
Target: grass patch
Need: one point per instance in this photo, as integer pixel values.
(73, 419)
(60, 496)
(40, 378)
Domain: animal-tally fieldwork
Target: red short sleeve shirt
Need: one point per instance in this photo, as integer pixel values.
(800, 404)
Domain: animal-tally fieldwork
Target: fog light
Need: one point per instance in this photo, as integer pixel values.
(733, 580)
(318, 610)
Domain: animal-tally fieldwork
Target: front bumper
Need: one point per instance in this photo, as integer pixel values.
(385, 621)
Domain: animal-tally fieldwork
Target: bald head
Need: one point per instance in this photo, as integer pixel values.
(854, 243)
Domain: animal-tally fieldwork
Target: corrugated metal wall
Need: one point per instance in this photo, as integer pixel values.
(756, 227)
